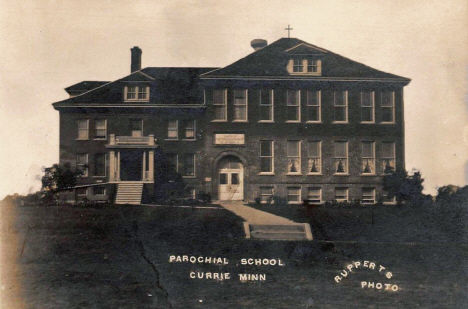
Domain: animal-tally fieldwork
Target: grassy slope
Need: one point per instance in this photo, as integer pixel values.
(117, 257)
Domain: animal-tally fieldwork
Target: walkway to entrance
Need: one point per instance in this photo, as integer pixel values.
(263, 225)
(252, 215)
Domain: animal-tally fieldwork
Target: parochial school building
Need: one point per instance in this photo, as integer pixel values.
(290, 119)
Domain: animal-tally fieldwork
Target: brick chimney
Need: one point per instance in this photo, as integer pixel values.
(136, 59)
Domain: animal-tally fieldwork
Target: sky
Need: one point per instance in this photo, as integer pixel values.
(46, 46)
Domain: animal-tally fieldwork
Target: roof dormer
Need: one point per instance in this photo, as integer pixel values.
(305, 59)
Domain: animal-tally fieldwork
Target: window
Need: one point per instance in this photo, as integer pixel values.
(294, 195)
(136, 93)
(341, 194)
(313, 106)
(101, 129)
(240, 105)
(82, 163)
(388, 106)
(83, 129)
(315, 195)
(100, 164)
(136, 127)
(189, 129)
(172, 129)
(367, 106)
(368, 158)
(388, 157)
(173, 158)
(294, 157)
(388, 200)
(266, 157)
(297, 65)
(293, 105)
(100, 190)
(314, 157)
(305, 66)
(341, 106)
(142, 93)
(312, 66)
(81, 192)
(266, 105)
(341, 157)
(131, 92)
(266, 194)
(189, 165)
(219, 105)
(368, 195)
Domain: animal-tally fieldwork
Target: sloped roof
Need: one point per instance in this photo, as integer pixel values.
(271, 61)
(84, 86)
(178, 85)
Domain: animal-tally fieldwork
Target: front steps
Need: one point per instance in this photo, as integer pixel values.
(298, 231)
(129, 193)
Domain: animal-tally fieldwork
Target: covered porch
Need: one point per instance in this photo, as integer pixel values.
(131, 159)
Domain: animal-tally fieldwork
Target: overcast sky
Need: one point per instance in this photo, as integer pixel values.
(46, 46)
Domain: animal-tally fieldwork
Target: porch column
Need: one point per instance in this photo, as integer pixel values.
(151, 165)
(117, 173)
(112, 165)
(143, 169)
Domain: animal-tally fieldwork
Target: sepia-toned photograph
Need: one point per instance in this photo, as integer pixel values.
(233, 154)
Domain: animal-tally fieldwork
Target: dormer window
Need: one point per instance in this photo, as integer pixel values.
(305, 66)
(312, 66)
(297, 66)
(136, 93)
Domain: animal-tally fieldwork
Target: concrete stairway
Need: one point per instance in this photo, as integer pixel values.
(129, 193)
(298, 231)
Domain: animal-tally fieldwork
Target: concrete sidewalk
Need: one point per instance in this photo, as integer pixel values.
(254, 216)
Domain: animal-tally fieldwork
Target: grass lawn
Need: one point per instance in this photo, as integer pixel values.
(379, 223)
(117, 257)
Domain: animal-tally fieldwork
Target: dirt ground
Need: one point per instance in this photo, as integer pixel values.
(118, 257)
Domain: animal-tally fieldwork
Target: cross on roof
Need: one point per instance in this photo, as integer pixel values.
(289, 29)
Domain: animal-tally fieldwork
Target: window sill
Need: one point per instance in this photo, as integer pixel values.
(342, 201)
(219, 120)
(367, 122)
(171, 139)
(189, 139)
(244, 121)
(266, 174)
(340, 122)
(318, 121)
(306, 73)
(294, 174)
(388, 123)
(371, 175)
(294, 203)
(100, 139)
(314, 174)
(341, 174)
(81, 139)
(266, 121)
(293, 121)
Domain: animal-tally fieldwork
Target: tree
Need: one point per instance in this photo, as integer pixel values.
(404, 187)
(57, 178)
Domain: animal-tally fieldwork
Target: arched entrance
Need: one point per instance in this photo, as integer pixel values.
(230, 179)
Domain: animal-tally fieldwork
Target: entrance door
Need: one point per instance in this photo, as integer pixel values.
(131, 165)
(231, 179)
